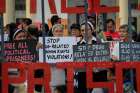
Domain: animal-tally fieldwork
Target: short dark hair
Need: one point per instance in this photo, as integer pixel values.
(54, 19)
(110, 20)
(75, 26)
(33, 30)
(27, 21)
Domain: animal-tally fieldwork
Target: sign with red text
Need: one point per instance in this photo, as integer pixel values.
(20, 51)
(57, 49)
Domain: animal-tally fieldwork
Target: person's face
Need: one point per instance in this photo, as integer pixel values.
(75, 32)
(21, 36)
(89, 31)
(110, 27)
(58, 32)
(123, 33)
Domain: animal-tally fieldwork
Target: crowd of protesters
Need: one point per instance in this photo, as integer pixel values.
(76, 29)
(87, 33)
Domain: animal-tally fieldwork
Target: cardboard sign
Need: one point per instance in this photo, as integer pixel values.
(129, 51)
(92, 53)
(21, 51)
(57, 49)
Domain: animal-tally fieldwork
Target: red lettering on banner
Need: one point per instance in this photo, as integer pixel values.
(52, 6)
(2, 6)
(119, 74)
(33, 6)
(89, 76)
(93, 7)
(70, 73)
(90, 6)
(45, 80)
(97, 8)
(6, 79)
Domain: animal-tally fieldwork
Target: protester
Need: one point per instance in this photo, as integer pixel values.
(20, 35)
(58, 75)
(26, 22)
(124, 34)
(111, 34)
(55, 19)
(58, 30)
(32, 32)
(75, 30)
(13, 88)
(46, 30)
(89, 36)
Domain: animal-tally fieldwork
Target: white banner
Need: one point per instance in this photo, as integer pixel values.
(57, 49)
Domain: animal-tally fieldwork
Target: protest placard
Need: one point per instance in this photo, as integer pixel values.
(57, 49)
(21, 51)
(129, 51)
(92, 53)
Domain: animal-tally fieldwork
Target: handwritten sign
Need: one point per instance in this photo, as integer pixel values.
(57, 49)
(129, 51)
(21, 51)
(92, 53)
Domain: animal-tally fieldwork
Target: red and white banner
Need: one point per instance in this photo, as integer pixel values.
(27, 73)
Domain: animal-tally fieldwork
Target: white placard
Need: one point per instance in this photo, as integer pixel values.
(58, 49)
